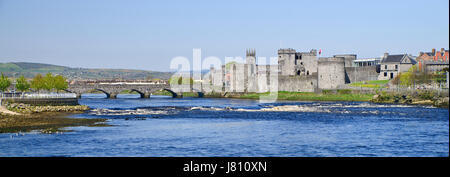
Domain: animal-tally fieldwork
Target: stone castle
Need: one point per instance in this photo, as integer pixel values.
(295, 72)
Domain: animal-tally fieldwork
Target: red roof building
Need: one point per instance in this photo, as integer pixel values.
(436, 56)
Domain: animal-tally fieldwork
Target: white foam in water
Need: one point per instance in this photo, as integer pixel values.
(315, 107)
(126, 112)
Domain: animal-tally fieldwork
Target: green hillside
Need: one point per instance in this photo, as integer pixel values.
(29, 70)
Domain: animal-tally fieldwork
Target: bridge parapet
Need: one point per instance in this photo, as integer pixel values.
(113, 89)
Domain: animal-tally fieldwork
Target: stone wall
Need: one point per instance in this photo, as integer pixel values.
(44, 101)
(297, 83)
(237, 76)
(357, 74)
(267, 78)
(310, 62)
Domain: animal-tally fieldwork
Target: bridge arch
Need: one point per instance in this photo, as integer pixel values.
(200, 94)
(174, 95)
(143, 94)
(108, 95)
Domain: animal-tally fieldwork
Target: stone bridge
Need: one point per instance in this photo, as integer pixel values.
(113, 89)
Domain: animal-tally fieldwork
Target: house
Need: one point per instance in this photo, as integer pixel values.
(392, 65)
(434, 60)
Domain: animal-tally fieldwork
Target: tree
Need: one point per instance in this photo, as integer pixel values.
(180, 80)
(38, 82)
(4, 83)
(60, 83)
(406, 79)
(22, 84)
(49, 82)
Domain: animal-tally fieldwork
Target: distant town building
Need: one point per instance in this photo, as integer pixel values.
(366, 62)
(434, 60)
(433, 66)
(442, 55)
(392, 65)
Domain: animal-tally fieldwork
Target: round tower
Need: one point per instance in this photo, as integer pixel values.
(331, 72)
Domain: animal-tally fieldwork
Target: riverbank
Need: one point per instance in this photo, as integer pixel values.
(50, 122)
(413, 98)
(19, 117)
(300, 96)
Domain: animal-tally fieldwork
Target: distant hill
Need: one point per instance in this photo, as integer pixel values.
(29, 70)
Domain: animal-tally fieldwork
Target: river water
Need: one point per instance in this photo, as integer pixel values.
(164, 126)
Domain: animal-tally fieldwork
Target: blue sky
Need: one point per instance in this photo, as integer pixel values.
(148, 34)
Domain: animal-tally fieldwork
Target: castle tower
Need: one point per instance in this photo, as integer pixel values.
(349, 58)
(250, 56)
(331, 72)
(286, 61)
(250, 71)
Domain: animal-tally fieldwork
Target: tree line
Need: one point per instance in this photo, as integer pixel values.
(49, 82)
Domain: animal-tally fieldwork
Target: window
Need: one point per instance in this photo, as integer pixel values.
(385, 66)
(385, 74)
(396, 66)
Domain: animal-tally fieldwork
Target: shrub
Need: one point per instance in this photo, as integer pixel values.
(326, 92)
(426, 95)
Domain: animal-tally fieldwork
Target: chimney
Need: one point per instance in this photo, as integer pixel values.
(386, 55)
(433, 51)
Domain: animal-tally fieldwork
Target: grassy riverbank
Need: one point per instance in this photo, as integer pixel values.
(306, 96)
(371, 84)
(414, 98)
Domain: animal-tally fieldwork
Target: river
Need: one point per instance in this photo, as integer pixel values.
(164, 127)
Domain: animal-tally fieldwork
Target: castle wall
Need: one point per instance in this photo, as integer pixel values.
(217, 80)
(267, 78)
(310, 63)
(331, 72)
(357, 74)
(237, 77)
(251, 78)
(297, 83)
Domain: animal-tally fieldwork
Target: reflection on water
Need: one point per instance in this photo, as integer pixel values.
(163, 126)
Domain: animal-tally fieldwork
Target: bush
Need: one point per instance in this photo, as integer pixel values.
(327, 92)
(426, 95)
